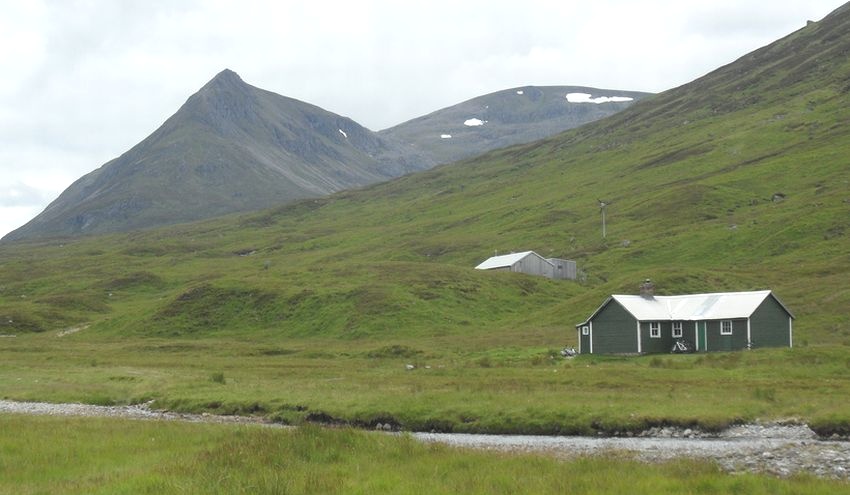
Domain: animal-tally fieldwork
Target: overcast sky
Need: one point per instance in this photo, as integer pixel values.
(83, 81)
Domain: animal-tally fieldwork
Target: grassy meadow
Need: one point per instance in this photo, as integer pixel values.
(100, 456)
(498, 388)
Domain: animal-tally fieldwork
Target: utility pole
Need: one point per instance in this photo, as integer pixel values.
(603, 206)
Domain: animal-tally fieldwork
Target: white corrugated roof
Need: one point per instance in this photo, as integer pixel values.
(503, 260)
(718, 306)
(691, 307)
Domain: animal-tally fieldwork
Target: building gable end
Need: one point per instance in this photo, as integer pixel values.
(598, 310)
(781, 304)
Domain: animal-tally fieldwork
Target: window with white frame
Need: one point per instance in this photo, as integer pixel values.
(585, 330)
(677, 329)
(655, 329)
(726, 327)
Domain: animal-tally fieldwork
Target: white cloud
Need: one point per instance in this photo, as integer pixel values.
(12, 217)
(22, 47)
(20, 194)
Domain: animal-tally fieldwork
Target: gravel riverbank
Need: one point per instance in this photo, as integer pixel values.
(775, 449)
(139, 411)
(778, 449)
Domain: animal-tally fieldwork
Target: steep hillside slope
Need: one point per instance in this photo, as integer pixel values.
(737, 181)
(230, 147)
(508, 117)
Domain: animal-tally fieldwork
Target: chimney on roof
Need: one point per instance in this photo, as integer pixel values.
(647, 289)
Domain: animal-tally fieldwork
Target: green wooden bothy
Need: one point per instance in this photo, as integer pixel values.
(726, 321)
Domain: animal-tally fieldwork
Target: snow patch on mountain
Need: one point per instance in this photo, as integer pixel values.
(445, 136)
(343, 133)
(588, 98)
(473, 122)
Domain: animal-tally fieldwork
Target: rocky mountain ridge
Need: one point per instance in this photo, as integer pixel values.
(233, 147)
(504, 118)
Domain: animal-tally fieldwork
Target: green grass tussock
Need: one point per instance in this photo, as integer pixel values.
(94, 456)
(394, 351)
(207, 308)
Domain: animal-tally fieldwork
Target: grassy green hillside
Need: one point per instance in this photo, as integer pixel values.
(737, 181)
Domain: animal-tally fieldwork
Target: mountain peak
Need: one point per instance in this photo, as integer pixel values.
(226, 79)
(223, 102)
(227, 75)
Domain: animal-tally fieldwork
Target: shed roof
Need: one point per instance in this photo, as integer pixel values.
(692, 307)
(504, 260)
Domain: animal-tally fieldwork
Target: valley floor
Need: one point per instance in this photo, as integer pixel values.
(483, 384)
(776, 449)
